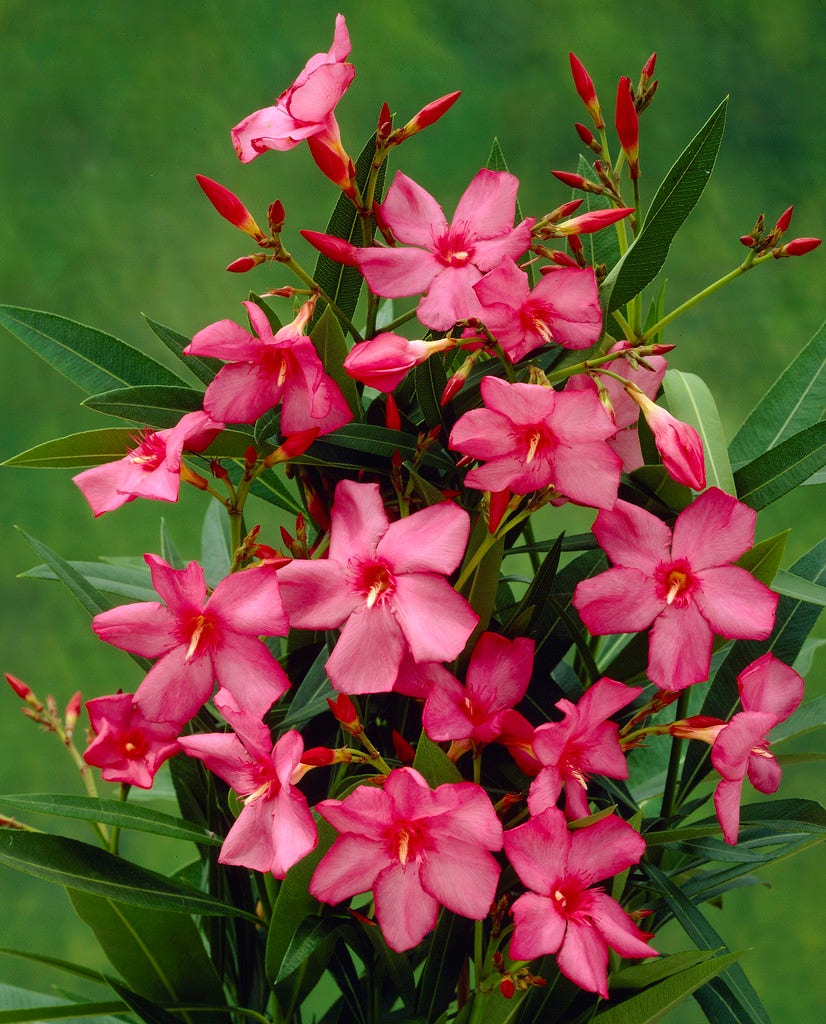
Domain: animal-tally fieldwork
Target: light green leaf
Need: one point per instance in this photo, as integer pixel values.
(763, 560)
(77, 451)
(782, 468)
(795, 401)
(89, 358)
(433, 763)
(61, 965)
(802, 590)
(20, 1004)
(91, 599)
(216, 550)
(690, 400)
(648, 972)
(154, 405)
(809, 716)
(112, 812)
(78, 865)
(110, 579)
(332, 349)
(675, 199)
(202, 367)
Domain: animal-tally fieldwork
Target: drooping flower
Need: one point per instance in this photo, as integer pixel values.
(275, 828)
(678, 443)
(584, 743)
(533, 437)
(769, 693)
(305, 111)
(416, 849)
(445, 260)
(152, 469)
(563, 913)
(384, 584)
(198, 639)
(497, 678)
(563, 307)
(384, 361)
(683, 583)
(128, 746)
(270, 368)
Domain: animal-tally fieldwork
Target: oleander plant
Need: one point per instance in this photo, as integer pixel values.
(436, 757)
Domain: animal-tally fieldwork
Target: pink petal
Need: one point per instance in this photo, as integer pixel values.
(146, 628)
(632, 537)
(250, 602)
(241, 392)
(450, 297)
(367, 812)
(315, 99)
(175, 689)
(225, 340)
(502, 292)
(350, 867)
(617, 601)
(713, 530)
(412, 213)
(577, 317)
(735, 603)
(249, 842)
(462, 878)
(727, 806)
(500, 670)
(432, 638)
(539, 928)
(398, 272)
(617, 928)
(245, 667)
(445, 717)
(603, 699)
(482, 434)
(733, 745)
(359, 521)
(769, 685)
(764, 771)
(225, 755)
(311, 398)
(511, 473)
(545, 790)
(102, 487)
(488, 204)
(521, 404)
(432, 540)
(315, 593)
(369, 651)
(488, 252)
(538, 850)
(679, 648)
(604, 849)
(466, 811)
(404, 910)
(294, 832)
(340, 48)
(182, 589)
(588, 473)
(583, 958)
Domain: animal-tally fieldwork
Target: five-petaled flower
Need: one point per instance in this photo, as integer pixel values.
(128, 746)
(416, 849)
(382, 583)
(682, 582)
(445, 260)
(563, 913)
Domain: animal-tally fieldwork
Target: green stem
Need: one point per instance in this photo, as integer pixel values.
(302, 275)
(670, 791)
(400, 320)
(626, 327)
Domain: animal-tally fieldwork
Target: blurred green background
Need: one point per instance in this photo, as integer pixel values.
(109, 109)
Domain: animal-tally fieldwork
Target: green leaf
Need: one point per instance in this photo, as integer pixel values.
(675, 199)
(332, 349)
(803, 590)
(20, 1004)
(159, 955)
(375, 441)
(795, 401)
(154, 405)
(600, 247)
(310, 934)
(91, 599)
(655, 1002)
(89, 358)
(77, 451)
(310, 698)
(216, 550)
(430, 380)
(690, 400)
(782, 468)
(143, 1009)
(809, 716)
(433, 763)
(112, 812)
(731, 988)
(649, 972)
(396, 965)
(111, 579)
(61, 965)
(480, 588)
(78, 865)
(763, 560)
(202, 367)
(446, 955)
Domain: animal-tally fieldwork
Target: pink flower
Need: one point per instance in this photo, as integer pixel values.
(416, 849)
(497, 678)
(626, 441)
(562, 913)
(770, 692)
(446, 259)
(683, 583)
(585, 743)
(198, 639)
(304, 110)
(534, 437)
(265, 370)
(128, 746)
(678, 443)
(562, 308)
(384, 584)
(275, 828)
(152, 469)
(384, 361)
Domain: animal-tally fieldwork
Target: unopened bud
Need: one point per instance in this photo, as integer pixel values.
(678, 443)
(497, 507)
(565, 211)
(507, 987)
(320, 757)
(404, 752)
(23, 691)
(301, 528)
(427, 116)
(698, 727)
(587, 136)
(276, 217)
(784, 220)
(584, 85)
(384, 126)
(628, 128)
(647, 72)
(392, 417)
(457, 381)
(72, 715)
(245, 263)
(337, 249)
(293, 446)
(748, 240)
(344, 712)
(230, 207)
(796, 247)
(594, 220)
(562, 259)
(577, 181)
(189, 476)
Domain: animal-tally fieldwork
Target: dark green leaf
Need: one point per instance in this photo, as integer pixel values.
(811, 715)
(648, 972)
(373, 440)
(690, 400)
(111, 579)
(310, 698)
(89, 358)
(795, 401)
(433, 763)
(782, 468)
(446, 956)
(202, 368)
(112, 812)
(600, 247)
(216, 549)
(332, 349)
(675, 199)
(77, 865)
(155, 405)
(19, 1004)
(480, 588)
(61, 965)
(143, 1009)
(77, 451)
(430, 380)
(763, 560)
(344, 973)
(91, 599)
(310, 934)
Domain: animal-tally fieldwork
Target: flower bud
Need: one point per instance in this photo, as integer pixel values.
(72, 715)
(457, 381)
(587, 136)
(344, 712)
(698, 727)
(594, 220)
(189, 476)
(577, 181)
(392, 417)
(384, 126)
(427, 116)
(796, 247)
(784, 220)
(337, 249)
(647, 72)
(23, 691)
(678, 443)
(292, 446)
(507, 987)
(276, 217)
(320, 757)
(384, 361)
(230, 207)
(628, 129)
(245, 263)
(404, 752)
(584, 86)
(497, 507)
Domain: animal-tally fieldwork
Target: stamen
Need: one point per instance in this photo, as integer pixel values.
(533, 443)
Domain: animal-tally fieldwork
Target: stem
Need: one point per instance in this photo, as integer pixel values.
(302, 275)
(670, 791)
(626, 327)
(400, 320)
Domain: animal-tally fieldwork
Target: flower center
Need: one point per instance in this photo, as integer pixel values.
(375, 581)
(201, 633)
(675, 582)
(454, 250)
(149, 453)
(133, 745)
(407, 841)
(534, 317)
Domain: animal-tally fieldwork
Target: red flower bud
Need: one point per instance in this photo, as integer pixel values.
(344, 712)
(648, 70)
(784, 220)
(276, 217)
(584, 85)
(507, 987)
(337, 249)
(577, 181)
(797, 247)
(384, 125)
(23, 691)
(499, 501)
(678, 443)
(292, 446)
(428, 115)
(245, 263)
(72, 714)
(595, 220)
(628, 128)
(230, 207)
(404, 752)
(392, 417)
(319, 757)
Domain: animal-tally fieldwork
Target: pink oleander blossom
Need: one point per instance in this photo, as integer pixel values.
(128, 746)
(564, 913)
(563, 307)
(384, 361)
(384, 585)
(305, 109)
(497, 679)
(681, 583)
(584, 743)
(152, 469)
(531, 437)
(626, 440)
(270, 368)
(275, 828)
(198, 639)
(678, 443)
(417, 849)
(445, 260)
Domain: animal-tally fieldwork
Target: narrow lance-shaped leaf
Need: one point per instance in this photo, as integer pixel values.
(201, 367)
(675, 199)
(89, 358)
(782, 468)
(332, 349)
(154, 405)
(21, 1004)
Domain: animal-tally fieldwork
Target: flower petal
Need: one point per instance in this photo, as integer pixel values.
(350, 867)
(359, 521)
(735, 604)
(412, 213)
(432, 540)
(539, 928)
(583, 958)
(369, 651)
(679, 648)
(404, 910)
(394, 273)
(539, 849)
(604, 849)
(632, 537)
(250, 602)
(432, 637)
(618, 600)
(713, 530)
